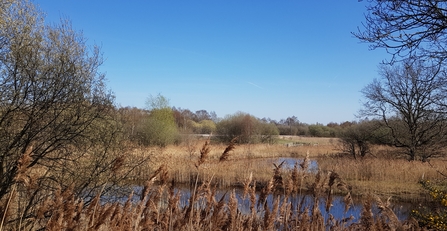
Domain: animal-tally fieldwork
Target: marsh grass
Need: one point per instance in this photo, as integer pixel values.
(383, 176)
(229, 163)
(377, 173)
(158, 207)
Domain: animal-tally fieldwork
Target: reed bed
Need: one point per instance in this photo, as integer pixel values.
(377, 173)
(268, 188)
(157, 206)
(385, 176)
(239, 161)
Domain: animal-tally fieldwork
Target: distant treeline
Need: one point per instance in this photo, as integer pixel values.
(243, 125)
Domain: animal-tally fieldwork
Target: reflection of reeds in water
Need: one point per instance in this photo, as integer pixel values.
(158, 207)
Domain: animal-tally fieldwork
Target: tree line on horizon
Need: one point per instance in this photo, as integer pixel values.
(147, 127)
(204, 122)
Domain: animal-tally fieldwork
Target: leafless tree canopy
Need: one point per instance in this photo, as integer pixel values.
(406, 28)
(356, 139)
(410, 99)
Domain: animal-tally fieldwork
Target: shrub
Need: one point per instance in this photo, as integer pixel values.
(248, 128)
(434, 217)
(159, 128)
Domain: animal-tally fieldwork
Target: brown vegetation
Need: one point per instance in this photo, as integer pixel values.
(159, 206)
(375, 173)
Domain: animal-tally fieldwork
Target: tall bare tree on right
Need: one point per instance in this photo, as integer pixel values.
(410, 100)
(412, 28)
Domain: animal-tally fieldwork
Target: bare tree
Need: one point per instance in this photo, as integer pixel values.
(356, 138)
(411, 28)
(202, 115)
(410, 100)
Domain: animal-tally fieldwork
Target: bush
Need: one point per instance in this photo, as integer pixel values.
(159, 129)
(319, 130)
(355, 139)
(434, 217)
(248, 128)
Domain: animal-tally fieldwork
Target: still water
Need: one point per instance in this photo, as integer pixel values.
(337, 210)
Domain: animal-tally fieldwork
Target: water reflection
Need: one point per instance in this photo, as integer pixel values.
(289, 163)
(299, 202)
(337, 210)
(401, 209)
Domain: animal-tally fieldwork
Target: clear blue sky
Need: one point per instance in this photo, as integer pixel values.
(268, 58)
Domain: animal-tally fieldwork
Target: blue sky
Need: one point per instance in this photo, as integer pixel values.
(268, 58)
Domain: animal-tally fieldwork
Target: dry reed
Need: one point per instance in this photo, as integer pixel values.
(225, 155)
(159, 209)
(209, 213)
(203, 153)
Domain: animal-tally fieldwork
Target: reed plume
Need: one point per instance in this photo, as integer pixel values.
(267, 221)
(347, 200)
(265, 192)
(22, 168)
(278, 184)
(55, 221)
(388, 213)
(332, 177)
(117, 164)
(366, 216)
(226, 154)
(246, 184)
(269, 218)
(253, 199)
(104, 216)
(305, 164)
(294, 181)
(232, 206)
(218, 218)
(203, 153)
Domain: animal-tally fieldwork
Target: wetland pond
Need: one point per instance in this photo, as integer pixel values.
(337, 210)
